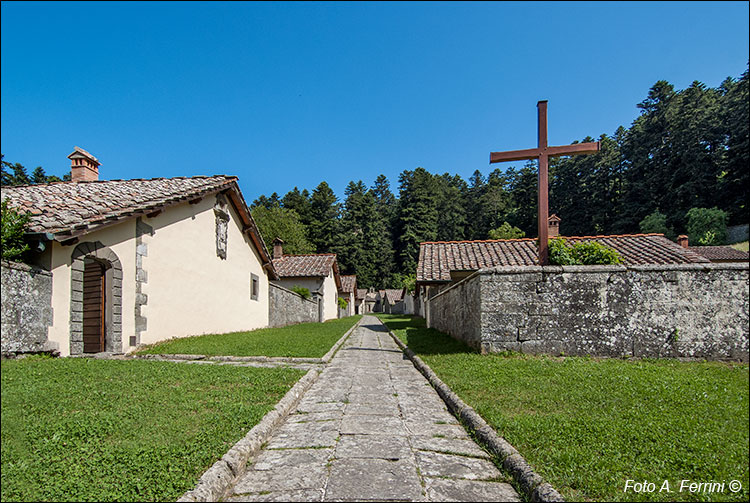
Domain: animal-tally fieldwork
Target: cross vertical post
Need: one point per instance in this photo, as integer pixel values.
(542, 153)
(543, 178)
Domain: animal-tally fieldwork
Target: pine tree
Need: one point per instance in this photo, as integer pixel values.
(418, 216)
(324, 218)
(299, 202)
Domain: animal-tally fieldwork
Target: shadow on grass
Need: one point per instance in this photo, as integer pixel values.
(424, 341)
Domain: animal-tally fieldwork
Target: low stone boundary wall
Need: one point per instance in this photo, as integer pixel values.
(286, 307)
(26, 308)
(738, 233)
(682, 311)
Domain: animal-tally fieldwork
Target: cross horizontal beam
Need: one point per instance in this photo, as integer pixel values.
(533, 153)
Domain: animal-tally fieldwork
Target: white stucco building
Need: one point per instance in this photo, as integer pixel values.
(139, 261)
(348, 292)
(319, 273)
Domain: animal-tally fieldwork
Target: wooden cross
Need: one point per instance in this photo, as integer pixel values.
(543, 152)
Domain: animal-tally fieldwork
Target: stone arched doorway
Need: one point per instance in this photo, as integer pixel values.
(95, 299)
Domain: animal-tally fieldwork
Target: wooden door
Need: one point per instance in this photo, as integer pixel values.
(93, 306)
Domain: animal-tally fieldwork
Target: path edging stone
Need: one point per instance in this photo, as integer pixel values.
(532, 484)
(215, 481)
(329, 355)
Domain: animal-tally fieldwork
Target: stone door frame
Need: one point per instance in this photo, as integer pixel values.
(113, 294)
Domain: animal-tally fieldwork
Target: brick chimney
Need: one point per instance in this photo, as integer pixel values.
(553, 226)
(278, 248)
(682, 240)
(84, 167)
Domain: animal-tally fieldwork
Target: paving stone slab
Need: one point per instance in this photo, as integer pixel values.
(305, 417)
(375, 425)
(303, 495)
(373, 446)
(372, 479)
(276, 458)
(312, 406)
(381, 398)
(304, 438)
(469, 490)
(373, 409)
(282, 478)
(465, 447)
(413, 416)
(436, 464)
(437, 430)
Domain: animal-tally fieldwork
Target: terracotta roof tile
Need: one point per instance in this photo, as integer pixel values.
(361, 293)
(348, 283)
(438, 259)
(720, 253)
(66, 206)
(295, 266)
(394, 295)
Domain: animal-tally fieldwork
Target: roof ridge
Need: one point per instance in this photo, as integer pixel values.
(70, 182)
(534, 239)
(475, 241)
(308, 255)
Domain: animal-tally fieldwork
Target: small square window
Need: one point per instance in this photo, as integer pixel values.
(254, 286)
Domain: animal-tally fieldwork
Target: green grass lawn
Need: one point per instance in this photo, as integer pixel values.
(79, 429)
(588, 425)
(305, 340)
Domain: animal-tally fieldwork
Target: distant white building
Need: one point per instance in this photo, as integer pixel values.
(319, 273)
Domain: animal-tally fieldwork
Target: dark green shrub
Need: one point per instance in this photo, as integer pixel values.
(301, 290)
(707, 226)
(559, 252)
(593, 253)
(506, 231)
(581, 253)
(656, 222)
(13, 228)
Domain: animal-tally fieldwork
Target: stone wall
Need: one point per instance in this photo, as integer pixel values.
(286, 307)
(26, 308)
(456, 311)
(693, 311)
(737, 233)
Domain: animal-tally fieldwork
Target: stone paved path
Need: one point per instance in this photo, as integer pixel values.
(371, 428)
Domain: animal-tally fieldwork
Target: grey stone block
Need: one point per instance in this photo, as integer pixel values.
(372, 479)
(288, 477)
(439, 489)
(436, 464)
(462, 446)
(373, 446)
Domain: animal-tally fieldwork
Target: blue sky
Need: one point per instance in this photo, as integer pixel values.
(285, 94)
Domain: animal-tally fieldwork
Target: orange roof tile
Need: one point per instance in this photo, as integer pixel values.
(438, 258)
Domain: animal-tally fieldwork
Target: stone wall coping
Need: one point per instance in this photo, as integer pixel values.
(20, 266)
(734, 266)
(293, 292)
